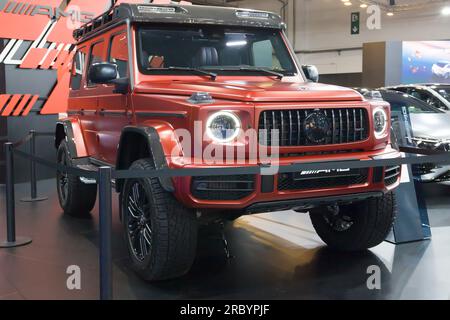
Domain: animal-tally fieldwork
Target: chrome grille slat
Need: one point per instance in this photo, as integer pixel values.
(348, 126)
(291, 130)
(333, 119)
(361, 128)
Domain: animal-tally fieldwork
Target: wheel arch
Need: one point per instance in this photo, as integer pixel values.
(138, 143)
(70, 131)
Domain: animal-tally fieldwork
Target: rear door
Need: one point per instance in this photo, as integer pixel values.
(82, 102)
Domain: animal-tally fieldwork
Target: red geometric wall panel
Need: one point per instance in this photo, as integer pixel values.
(62, 32)
(48, 26)
(17, 104)
(26, 22)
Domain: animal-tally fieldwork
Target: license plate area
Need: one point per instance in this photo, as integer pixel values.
(322, 179)
(325, 174)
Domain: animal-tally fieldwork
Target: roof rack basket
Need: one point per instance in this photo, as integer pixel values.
(96, 23)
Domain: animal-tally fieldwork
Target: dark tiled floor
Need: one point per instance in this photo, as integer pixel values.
(276, 256)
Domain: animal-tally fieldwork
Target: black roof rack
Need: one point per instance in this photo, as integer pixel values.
(182, 14)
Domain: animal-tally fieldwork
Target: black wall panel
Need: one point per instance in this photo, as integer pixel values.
(3, 122)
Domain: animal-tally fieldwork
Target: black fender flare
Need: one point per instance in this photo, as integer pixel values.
(66, 126)
(154, 148)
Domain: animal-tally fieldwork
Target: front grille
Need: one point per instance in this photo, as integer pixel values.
(391, 175)
(347, 125)
(322, 180)
(233, 187)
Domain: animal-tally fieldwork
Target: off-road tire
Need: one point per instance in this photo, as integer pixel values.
(372, 221)
(78, 199)
(174, 229)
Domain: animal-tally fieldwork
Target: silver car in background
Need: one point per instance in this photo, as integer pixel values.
(430, 130)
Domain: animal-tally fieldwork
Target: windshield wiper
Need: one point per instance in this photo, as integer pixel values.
(253, 69)
(212, 75)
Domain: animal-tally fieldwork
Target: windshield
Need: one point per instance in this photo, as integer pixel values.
(444, 92)
(218, 49)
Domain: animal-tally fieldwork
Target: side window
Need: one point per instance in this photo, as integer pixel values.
(118, 54)
(96, 56)
(416, 94)
(78, 69)
(430, 99)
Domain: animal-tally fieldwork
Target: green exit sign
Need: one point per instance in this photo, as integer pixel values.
(355, 23)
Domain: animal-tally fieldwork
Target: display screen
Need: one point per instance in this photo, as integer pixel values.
(426, 62)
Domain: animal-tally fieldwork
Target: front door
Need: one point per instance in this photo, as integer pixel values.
(113, 108)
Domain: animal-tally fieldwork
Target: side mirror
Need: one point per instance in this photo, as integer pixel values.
(102, 73)
(311, 73)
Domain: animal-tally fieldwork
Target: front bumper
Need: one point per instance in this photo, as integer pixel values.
(251, 191)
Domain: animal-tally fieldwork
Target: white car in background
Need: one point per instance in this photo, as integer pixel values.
(442, 69)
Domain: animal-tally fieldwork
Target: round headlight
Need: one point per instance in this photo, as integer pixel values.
(380, 122)
(223, 127)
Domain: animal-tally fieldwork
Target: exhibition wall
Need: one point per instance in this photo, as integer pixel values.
(325, 25)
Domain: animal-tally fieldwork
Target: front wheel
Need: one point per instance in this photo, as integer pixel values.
(358, 226)
(161, 234)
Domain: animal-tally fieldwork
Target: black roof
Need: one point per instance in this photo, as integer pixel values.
(180, 14)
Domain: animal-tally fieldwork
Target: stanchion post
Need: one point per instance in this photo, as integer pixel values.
(105, 208)
(33, 165)
(33, 178)
(11, 239)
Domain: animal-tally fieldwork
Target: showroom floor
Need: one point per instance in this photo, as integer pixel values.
(276, 256)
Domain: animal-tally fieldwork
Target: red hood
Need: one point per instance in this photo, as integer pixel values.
(270, 91)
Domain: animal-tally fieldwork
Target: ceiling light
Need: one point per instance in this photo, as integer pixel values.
(236, 43)
(446, 11)
(390, 14)
(348, 3)
(363, 5)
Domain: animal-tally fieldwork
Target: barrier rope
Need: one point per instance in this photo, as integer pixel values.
(435, 158)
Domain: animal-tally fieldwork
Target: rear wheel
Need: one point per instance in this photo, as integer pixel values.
(357, 226)
(161, 234)
(76, 198)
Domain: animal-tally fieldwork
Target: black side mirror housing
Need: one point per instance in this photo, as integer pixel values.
(311, 73)
(102, 73)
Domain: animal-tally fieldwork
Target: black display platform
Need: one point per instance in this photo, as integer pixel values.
(277, 256)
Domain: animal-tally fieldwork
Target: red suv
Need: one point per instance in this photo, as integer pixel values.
(185, 86)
